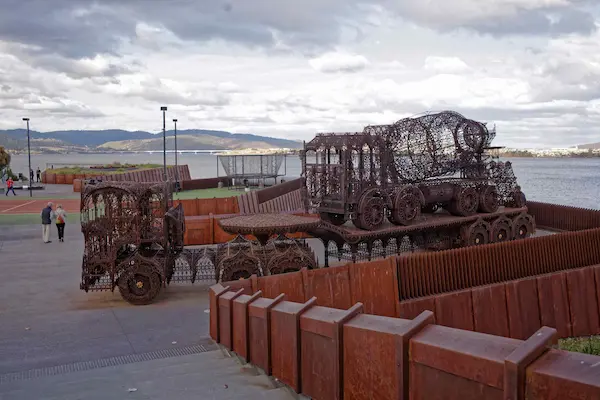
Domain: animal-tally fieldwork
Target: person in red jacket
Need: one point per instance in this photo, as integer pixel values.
(10, 186)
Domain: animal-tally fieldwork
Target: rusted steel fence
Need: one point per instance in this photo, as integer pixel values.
(425, 274)
(327, 353)
(563, 218)
(506, 289)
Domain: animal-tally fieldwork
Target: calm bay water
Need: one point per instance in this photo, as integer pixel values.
(571, 181)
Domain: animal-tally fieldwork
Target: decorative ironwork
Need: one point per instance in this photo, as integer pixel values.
(132, 235)
(412, 167)
(439, 231)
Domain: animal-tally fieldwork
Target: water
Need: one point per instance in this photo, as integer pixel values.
(571, 181)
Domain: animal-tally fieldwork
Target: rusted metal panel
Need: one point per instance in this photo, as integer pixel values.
(376, 363)
(376, 286)
(583, 302)
(410, 309)
(198, 230)
(240, 323)
(259, 327)
(214, 293)
(285, 341)
(455, 310)
(206, 206)
(290, 283)
(428, 383)
(226, 317)
(516, 362)
(471, 355)
(563, 375)
(426, 274)
(244, 284)
(331, 287)
(489, 310)
(320, 344)
(523, 308)
(554, 303)
(554, 216)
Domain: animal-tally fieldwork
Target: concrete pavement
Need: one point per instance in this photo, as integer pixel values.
(54, 337)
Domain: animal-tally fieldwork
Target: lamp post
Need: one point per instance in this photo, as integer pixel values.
(29, 153)
(176, 168)
(164, 109)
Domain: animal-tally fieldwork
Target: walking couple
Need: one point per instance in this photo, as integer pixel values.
(59, 216)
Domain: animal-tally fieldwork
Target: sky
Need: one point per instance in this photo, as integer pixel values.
(290, 69)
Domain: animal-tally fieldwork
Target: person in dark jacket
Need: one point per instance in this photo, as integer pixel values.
(38, 174)
(46, 221)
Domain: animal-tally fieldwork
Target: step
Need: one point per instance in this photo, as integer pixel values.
(193, 376)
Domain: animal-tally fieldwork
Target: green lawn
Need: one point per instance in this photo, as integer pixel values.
(587, 345)
(207, 194)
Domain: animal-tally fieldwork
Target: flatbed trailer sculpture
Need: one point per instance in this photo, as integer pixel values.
(412, 173)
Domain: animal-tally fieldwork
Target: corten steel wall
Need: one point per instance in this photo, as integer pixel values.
(147, 175)
(207, 183)
(205, 229)
(198, 207)
(509, 289)
(563, 218)
(329, 353)
(280, 189)
(283, 197)
(424, 274)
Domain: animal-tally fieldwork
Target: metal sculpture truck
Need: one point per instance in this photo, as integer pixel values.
(401, 170)
(132, 235)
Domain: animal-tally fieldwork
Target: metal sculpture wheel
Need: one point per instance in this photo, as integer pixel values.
(335, 219)
(488, 200)
(476, 234)
(523, 226)
(465, 202)
(431, 208)
(502, 230)
(239, 265)
(292, 260)
(140, 286)
(407, 208)
(371, 210)
(518, 198)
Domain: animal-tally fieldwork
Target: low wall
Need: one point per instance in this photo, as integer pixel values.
(563, 218)
(208, 183)
(508, 289)
(328, 353)
(205, 229)
(145, 175)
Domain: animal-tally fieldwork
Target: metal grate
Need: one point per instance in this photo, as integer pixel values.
(106, 362)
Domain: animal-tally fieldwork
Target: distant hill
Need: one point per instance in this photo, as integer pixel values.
(592, 146)
(191, 139)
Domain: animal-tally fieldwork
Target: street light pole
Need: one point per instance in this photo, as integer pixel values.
(164, 109)
(29, 153)
(176, 167)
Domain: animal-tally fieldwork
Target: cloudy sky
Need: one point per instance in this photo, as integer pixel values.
(292, 68)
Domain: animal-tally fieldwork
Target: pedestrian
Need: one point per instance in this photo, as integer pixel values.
(10, 186)
(30, 176)
(46, 221)
(60, 217)
(39, 174)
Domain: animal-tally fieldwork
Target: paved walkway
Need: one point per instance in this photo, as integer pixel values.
(49, 328)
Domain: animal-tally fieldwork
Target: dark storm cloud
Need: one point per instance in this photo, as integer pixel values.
(82, 28)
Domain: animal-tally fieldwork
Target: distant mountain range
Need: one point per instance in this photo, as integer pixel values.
(120, 140)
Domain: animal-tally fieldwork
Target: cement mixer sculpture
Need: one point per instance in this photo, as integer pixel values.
(399, 171)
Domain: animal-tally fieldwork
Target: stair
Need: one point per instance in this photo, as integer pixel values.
(209, 375)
